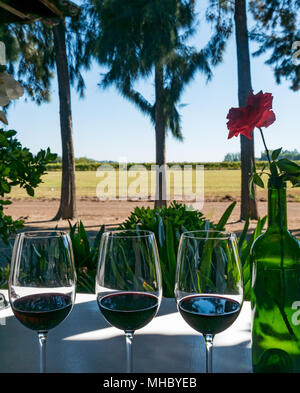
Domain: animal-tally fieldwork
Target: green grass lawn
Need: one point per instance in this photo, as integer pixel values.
(217, 183)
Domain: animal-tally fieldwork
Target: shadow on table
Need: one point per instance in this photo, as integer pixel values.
(152, 353)
(89, 353)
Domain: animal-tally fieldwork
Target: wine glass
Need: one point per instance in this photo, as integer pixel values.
(42, 282)
(128, 281)
(209, 283)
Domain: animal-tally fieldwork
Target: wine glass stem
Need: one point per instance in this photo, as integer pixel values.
(129, 340)
(209, 348)
(42, 342)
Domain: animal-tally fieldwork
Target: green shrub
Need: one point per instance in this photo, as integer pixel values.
(18, 167)
(93, 166)
(85, 256)
(168, 223)
(4, 276)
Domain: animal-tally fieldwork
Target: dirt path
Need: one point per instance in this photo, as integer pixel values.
(94, 213)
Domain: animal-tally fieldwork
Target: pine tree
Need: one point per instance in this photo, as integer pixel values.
(224, 15)
(141, 39)
(278, 34)
(34, 52)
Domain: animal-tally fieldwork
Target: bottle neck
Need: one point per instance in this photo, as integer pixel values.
(277, 217)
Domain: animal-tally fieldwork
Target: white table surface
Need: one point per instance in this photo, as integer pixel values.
(85, 342)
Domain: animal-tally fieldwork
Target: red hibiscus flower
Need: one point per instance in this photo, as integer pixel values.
(257, 113)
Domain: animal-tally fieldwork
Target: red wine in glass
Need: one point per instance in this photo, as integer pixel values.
(42, 312)
(209, 314)
(209, 283)
(128, 311)
(128, 282)
(42, 282)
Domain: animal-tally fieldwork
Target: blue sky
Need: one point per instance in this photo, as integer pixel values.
(107, 127)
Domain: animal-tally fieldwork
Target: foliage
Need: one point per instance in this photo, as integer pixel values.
(4, 276)
(18, 167)
(207, 165)
(277, 32)
(127, 45)
(168, 223)
(30, 53)
(279, 170)
(131, 49)
(289, 154)
(232, 157)
(281, 166)
(220, 15)
(244, 246)
(85, 256)
(35, 50)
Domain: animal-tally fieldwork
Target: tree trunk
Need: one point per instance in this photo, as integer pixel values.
(160, 138)
(248, 204)
(67, 208)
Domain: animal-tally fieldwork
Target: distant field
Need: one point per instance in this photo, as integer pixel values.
(217, 184)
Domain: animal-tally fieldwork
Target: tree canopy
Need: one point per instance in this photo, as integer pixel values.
(136, 36)
(277, 32)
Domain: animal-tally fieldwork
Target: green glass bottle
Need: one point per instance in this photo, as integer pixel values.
(275, 295)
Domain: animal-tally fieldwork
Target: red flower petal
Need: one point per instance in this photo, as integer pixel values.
(257, 113)
(238, 123)
(267, 119)
(267, 101)
(248, 132)
(253, 98)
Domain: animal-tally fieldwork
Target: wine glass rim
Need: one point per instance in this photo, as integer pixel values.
(132, 233)
(223, 235)
(42, 234)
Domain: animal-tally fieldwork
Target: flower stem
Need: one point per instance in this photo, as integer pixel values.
(264, 142)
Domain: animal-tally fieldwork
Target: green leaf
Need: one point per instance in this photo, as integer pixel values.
(6, 171)
(258, 181)
(161, 231)
(10, 133)
(273, 169)
(5, 202)
(223, 220)
(83, 235)
(294, 179)
(276, 153)
(244, 233)
(30, 190)
(96, 245)
(288, 166)
(97, 240)
(72, 229)
(172, 257)
(5, 187)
